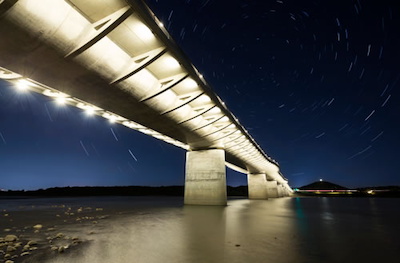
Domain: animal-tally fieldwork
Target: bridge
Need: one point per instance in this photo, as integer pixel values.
(115, 59)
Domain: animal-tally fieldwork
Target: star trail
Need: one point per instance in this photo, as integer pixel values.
(316, 83)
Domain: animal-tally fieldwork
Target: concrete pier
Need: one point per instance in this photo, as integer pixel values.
(257, 184)
(205, 182)
(272, 188)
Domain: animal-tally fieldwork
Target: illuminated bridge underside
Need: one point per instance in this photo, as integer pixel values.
(115, 59)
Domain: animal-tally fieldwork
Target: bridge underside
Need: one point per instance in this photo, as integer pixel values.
(115, 59)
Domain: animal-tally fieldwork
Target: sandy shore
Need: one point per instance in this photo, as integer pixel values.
(34, 234)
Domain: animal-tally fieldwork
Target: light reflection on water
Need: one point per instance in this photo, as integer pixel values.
(276, 230)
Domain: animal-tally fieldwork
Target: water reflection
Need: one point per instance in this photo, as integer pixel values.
(276, 230)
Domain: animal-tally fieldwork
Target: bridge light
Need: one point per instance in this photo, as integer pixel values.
(224, 119)
(189, 83)
(144, 32)
(23, 85)
(61, 100)
(215, 110)
(171, 62)
(89, 111)
(204, 98)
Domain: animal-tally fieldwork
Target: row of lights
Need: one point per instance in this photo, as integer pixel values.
(23, 85)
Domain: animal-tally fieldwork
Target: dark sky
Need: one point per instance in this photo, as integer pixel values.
(316, 83)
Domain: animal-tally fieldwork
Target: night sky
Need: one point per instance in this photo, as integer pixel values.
(316, 83)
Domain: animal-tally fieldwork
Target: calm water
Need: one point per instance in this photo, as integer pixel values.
(157, 229)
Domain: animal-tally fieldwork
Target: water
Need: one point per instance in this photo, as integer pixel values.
(161, 229)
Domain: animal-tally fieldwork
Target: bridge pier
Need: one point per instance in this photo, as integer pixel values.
(205, 181)
(272, 188)
(257, 184)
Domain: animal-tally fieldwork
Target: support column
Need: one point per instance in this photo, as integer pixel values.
(272, 188)
(280, 190)
(205, 182)
(257, 184)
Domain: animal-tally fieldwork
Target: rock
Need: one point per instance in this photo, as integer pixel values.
(99, 209)
(37, 227)
(11, 249)
(32, 243)
(9, 261)
(7, 230)
(33, 248)
(61, 249)
(17, 245)
(2, 252)
(26, 248)
(51, 229)
(10, 238)
(54, 248)
(59, 235)
(25, 253)
(7, 256)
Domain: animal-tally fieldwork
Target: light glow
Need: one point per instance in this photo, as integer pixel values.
(204, 99)
(23, 85)
(144, 32)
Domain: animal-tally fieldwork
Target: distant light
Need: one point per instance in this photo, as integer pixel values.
(320, 180)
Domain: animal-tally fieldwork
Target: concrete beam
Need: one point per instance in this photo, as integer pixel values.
(272, 188)
(205, 182)
(257, 184)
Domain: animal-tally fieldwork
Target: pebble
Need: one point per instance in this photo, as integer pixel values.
(59, 235)
(11, 249)
(9, 261)
(32, 243)
(25, 253)
(10, 238)
(37, 227)
(54, 248)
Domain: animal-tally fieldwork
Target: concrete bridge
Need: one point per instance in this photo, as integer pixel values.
(115, 59)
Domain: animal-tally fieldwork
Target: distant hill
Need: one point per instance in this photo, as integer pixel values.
(115, 191)
(323, 185)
